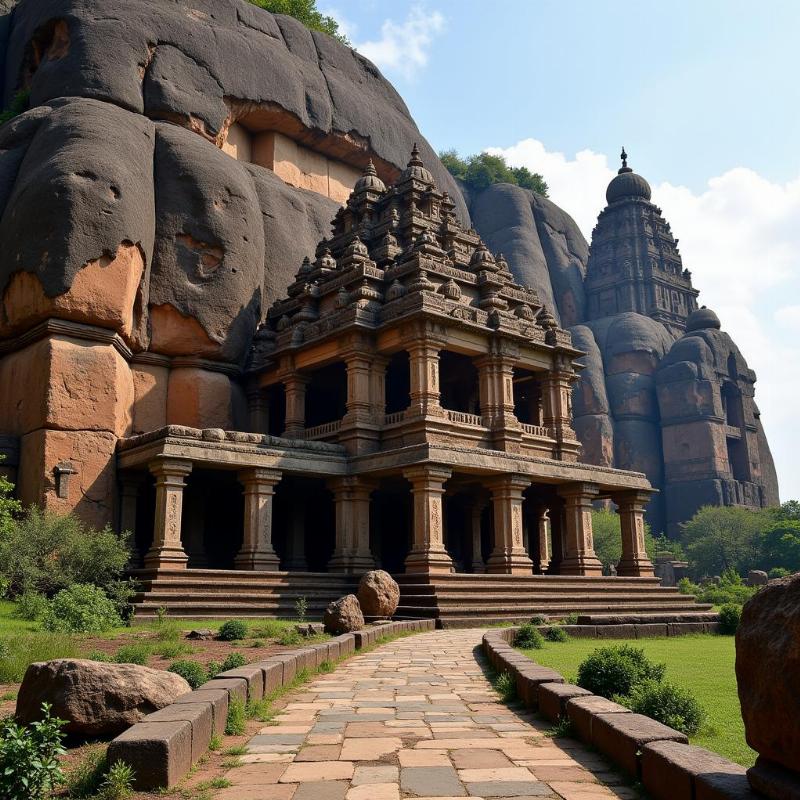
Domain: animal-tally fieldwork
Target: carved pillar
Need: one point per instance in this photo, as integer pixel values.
(579, 556)
(496, 383)
(360, 429)
(555, 513)
(295, 388)
(476, 512)
(378, 388)
(428, 553)
(424, 367)
(130, 486)
(352, 498)
(167, 551)
(557, 411)
(634, 562)
(509, 554)
(543, 526)
(257, 552)
(258, 409)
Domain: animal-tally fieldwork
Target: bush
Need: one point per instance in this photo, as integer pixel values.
(538, 619)
(213, 668)
(133, 654)
(779, 572)
(233, 661)
(610, 671)
(193, 672)
(505, 686)
(671, 705)
(555, 633)
(730, 589)
(237, 717)
(30, 605)
(729, 617)
(570, 619)
(118, 783)
(81, 608)
(289, 636)
(46, 552)
(484, 169)
(232, 630)
(528, 638)
(99, 655)
(29, 765)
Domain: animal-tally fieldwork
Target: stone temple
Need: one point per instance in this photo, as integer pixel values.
(246, 314)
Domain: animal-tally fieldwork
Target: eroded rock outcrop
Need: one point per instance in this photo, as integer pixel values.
(343, 616)
(378, 594)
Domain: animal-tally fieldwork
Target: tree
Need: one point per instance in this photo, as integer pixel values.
(306, 12)
(482, 170)
(607, 534)
(9, 507)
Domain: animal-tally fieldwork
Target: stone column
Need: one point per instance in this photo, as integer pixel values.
(579, 556)
(378, 387)
(258, 410)
(360, 428)
(130, 486)
(167, 551)
(555, 513)
(509, 554)
(543, 525)
(428, 553)
(352, 498)
(424, 367)
(476, 512)
(634, 562)
(295, 388)
(557, 411)
(496, 383)
(257, 552)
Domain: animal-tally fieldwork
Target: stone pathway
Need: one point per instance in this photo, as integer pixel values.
(415, 718)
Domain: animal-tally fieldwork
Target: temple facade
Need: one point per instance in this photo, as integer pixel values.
(409, 407)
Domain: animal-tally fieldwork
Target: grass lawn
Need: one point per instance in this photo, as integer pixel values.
(704, 664)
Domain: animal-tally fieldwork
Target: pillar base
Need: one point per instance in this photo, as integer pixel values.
(509, 564)
(351, 564)
(635, 568)
(429, 561)
(165, 558)
(257, 560)
(581, 566)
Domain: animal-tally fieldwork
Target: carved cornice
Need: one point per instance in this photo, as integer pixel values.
(63, 327)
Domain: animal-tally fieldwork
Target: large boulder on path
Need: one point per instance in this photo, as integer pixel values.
(378, 594)
(343, 616)
(96, 698)
(768, 671)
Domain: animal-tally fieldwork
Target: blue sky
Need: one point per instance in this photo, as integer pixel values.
(704, 95)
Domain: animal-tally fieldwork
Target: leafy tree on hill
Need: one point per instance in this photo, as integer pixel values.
(306, 12)
(482, 170)
(780, 546)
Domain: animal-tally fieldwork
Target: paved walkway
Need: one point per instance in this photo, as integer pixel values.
(415, 718)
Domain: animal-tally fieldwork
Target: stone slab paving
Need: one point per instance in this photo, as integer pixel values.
(415, 718)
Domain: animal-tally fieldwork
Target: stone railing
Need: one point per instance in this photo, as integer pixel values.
(321, 431)
(162, 748)
(536, 430)
(658, 756)
(462, 418)
(393, 419)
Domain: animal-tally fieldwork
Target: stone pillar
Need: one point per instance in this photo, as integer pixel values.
(378, 387)
(130, 486)
(555, 513)
(509, 554)
(476, 512)
(295, 388)
(428, 553)
(258, 410)
(496, 384)
(257, 552)
(634, 562)
(424, 377)
(557, 412)
(167, 551)
(579, 556)
(352, 554)
(543, 525)
(360, 429)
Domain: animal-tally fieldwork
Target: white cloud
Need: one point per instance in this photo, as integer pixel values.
(740, 237)
(347, 27)
(403, 47)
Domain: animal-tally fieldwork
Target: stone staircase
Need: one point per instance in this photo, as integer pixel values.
(455, 600)
(460, 600)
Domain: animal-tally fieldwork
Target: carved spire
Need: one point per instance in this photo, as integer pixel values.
(624, 168)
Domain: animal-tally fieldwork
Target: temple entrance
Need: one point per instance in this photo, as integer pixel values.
(326, 395)
(458, 381)
(398, 383)
(527, 397)
(304, 524)
(390, 523)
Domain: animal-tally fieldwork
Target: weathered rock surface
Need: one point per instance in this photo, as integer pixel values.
(343, 616)
(378, 594)
(96, 698)
(768, 671)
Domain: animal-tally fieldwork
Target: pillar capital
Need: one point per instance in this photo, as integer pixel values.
(586, 492)
(170, 469)
(425, 474)
(633, 498)
(259, 477)
(512, 483)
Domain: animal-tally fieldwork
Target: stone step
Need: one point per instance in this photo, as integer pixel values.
(485, 578)
(480, 610)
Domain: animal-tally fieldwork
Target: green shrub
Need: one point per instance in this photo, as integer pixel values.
(269, 628)
(237, 717)
(301, 608)
(538, 619)
(193, 672)
(305, 11)
(729, 616)
(555, 633)
(610, 671)
(482, 170)
(213, 668)
(671, 705)
(779, 572)
(289, 637)
(137, 653)
(505, 686)
(118, 782)
(233, 661)
(21, 649)
(81, 608)
(29, 757)
(570, 619)
(168, 630)
(30, 605)
(46, 552)
(528, 638)
(172, 649)
(232, 630)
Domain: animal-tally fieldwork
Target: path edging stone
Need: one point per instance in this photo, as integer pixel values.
(162, 748)
(658, 756)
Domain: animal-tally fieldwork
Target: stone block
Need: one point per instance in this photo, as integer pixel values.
(254, 676)
(333, 651)
(582, 711)
(306, 659)
(773, 780)
(582, 631)
(622, 736)
(235, 687)
(529, 679)
(616, 631)
(160, 753)
(273, 675)
(684, 628)
(216, 698)
(553, 698)
(290, 666)
(649, 630)
(150, 384)
(199, 398)
(321, 650)
(347, 644)
(362, 639)
(201, 717)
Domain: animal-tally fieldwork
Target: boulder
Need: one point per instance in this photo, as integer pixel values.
(757, 577)
(96, 698)
(768, 671)
(378, 594)
(343, 616)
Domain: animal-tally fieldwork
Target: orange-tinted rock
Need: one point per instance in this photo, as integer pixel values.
(199, 398)
(150, 385)
(174, 334)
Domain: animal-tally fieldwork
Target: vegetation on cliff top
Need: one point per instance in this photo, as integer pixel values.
(482, 170)
(306, 12)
